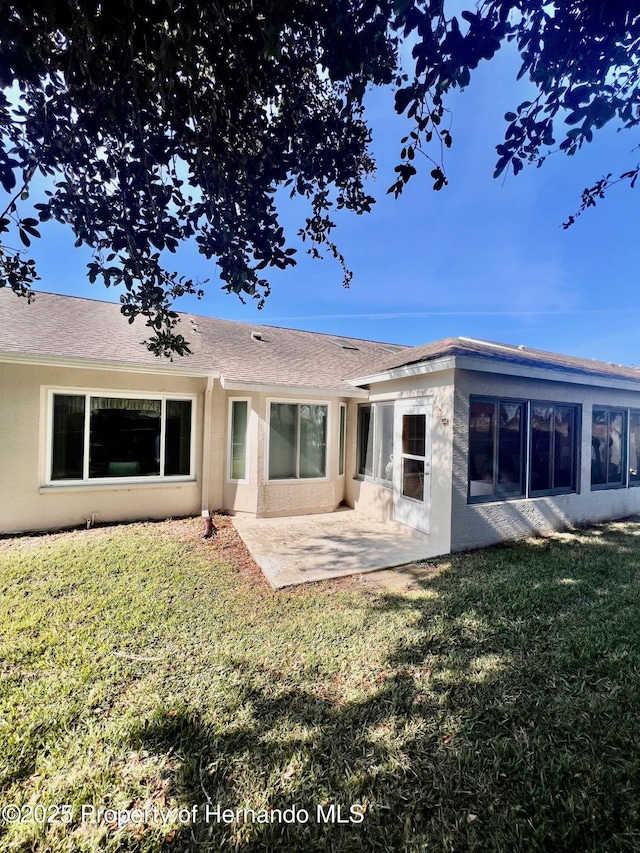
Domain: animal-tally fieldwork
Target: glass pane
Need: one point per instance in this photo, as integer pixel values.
(343, 429)
(177, 452)
(413, 478)
(383, 469)
(313, 441)
(283, 441)
(413, 434)
(564, 448)
(541, 433)
(67, 457)
(615, 456)
(365, 441)
(599, 429)
(510, 467)
(634, 448)
(482, 419)
(239, 439)
(124, 437)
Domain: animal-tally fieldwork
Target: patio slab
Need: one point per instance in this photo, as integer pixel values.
(307, 548)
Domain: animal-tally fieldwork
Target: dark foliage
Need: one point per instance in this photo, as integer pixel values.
(157, 121)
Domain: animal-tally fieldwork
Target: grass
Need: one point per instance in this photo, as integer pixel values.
(497, 708)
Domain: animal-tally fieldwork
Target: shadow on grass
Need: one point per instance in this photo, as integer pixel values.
(507, 720)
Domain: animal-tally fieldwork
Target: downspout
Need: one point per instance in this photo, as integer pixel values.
(207, 529)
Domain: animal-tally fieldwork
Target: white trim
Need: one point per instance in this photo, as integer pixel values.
(47, 395)
(163, 369)
(577, 376)
(375, 442)
(407, 370)
(247, 440)
(297, 402)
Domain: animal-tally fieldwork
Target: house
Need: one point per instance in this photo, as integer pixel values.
(467, 441)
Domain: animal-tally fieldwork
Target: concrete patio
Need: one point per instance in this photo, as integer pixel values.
(307, 548)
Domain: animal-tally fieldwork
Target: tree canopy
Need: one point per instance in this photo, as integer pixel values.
(152, 122)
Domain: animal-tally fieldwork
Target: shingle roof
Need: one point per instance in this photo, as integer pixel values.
(76, 328)
(503, 353)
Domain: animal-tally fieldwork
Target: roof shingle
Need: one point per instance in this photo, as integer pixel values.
(504, 353)
(85, 329)
(76, 328)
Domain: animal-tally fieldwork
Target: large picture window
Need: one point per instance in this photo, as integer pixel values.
(501, 432)
(375, 442)
(608, 448)
(106, 437)
(297, 441)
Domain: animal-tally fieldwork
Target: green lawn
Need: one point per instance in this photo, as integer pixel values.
(496, 709)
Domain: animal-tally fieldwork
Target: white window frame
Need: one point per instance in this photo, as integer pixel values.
(247, 441)
(87, 393)
(297, 402)
(373, 406)
(342, 457)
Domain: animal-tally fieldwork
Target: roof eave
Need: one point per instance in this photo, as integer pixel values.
(484, 364)
(575, 376)
(299, 390)
(418, 369)
(99, 364)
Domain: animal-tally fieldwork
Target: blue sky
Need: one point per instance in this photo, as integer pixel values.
(483, 258)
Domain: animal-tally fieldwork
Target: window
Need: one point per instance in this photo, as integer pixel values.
(375, 442)
(238, 438)
(553, 443)
(343, 439)
(634, 448)
(500, 434)
(297, 441)
(68, 437)
(100, 437)
(365, 441)
(496, 449)
(608, 448)
(414, 430)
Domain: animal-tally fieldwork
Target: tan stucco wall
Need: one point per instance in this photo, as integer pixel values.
(377, 501)
(26, 503)
(476, 525)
